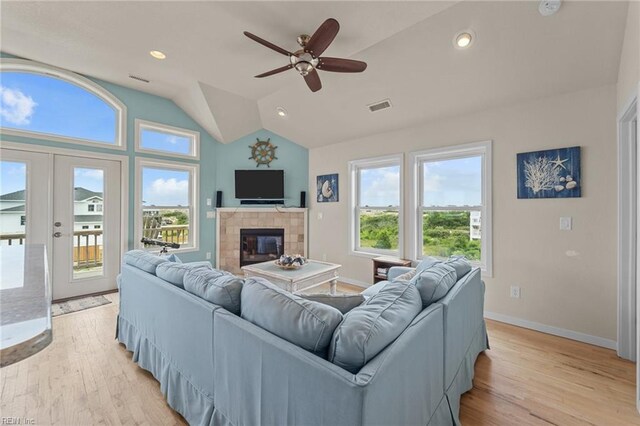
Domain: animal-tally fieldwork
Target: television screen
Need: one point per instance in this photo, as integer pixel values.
(260, 184)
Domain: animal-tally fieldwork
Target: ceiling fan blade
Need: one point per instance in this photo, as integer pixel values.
(267, 43)
(276, 71)
(313, 81)
(323, 37)
(341, 65)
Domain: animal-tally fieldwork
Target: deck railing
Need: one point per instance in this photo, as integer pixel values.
(87, 244)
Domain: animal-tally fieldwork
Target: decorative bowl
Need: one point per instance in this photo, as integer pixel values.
(287, 261)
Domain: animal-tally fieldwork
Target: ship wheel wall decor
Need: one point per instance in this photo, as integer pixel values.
(263, 152)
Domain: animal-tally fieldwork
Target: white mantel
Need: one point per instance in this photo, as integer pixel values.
(229, 221)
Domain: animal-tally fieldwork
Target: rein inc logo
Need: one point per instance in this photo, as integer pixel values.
(17, 421)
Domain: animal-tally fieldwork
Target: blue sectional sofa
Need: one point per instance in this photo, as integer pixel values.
(225, 366)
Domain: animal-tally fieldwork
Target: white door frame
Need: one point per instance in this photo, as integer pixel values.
(124, 185)
(627, 221)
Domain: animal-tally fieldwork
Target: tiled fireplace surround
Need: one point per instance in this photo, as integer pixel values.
(231, 220)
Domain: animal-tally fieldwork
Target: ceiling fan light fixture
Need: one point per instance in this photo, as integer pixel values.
(304, 68)
(464, 39)
(157, 54)
(281, 111)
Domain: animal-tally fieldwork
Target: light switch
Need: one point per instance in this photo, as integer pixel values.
(208, 201)
(565, 223)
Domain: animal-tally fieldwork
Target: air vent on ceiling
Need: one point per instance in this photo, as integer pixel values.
(135, 77)
(377, 106)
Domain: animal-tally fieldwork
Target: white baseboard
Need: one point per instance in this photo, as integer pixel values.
(568, 334)
(351, 281)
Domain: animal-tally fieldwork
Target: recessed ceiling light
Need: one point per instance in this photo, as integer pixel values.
(549, 7)
(464, 39)
(157, 54)
(281, 111)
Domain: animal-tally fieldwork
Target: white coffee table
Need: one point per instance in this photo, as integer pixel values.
(312, 274)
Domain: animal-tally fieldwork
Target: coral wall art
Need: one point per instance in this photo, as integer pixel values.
(554, 173)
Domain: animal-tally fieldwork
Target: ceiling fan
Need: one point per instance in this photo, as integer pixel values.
(307, 60)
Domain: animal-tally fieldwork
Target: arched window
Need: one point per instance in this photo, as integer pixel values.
(44, 102)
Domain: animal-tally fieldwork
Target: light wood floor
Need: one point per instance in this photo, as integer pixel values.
(527, 378)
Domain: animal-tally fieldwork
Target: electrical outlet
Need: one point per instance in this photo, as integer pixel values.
(515, 292)
(208, 255)
(211, 214)
(565, 223)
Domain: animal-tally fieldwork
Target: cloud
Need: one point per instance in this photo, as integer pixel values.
(167, 192)
(382, 188)
(16, 107)
(95, 174)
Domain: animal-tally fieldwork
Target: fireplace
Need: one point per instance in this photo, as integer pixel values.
(260, 245)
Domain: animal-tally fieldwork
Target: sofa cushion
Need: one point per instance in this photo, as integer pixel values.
(342, 302)
(302, 322)
(374, 289)
(434, 282)
(371, 327)
(175, 272)
(218, 287)
(173, 258)
(460, 264)
(143, 260)
(426, 263)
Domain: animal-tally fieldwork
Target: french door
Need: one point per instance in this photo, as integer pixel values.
(86, 225)
(70, 204)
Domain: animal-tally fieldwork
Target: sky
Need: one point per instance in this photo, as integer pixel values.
(46, 104)
(12, 176)
(165, 142)
(445, 183)
(161, 187)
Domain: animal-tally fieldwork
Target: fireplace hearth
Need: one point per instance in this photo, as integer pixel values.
(260, 245)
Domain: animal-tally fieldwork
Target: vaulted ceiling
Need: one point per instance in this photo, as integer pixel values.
(518, 54)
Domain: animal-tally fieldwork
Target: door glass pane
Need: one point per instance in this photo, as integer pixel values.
(166, 210)
(88, 223)
(13, 195)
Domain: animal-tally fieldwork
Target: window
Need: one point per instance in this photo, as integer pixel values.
(98, 207)
(166, 197)
(46, 102)
(376, 205)
(159, 138)
(85, 226)
(91, 207)
(453, 203)
(23, 220)
(97, 226)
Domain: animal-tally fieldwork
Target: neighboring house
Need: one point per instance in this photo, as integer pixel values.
(87, 210)
(475, 230)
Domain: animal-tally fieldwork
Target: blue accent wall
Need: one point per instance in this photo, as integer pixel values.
(291, 157)
(217, 161)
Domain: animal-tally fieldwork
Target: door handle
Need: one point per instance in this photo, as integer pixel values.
(57, 234)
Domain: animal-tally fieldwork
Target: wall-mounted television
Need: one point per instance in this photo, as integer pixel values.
(260, 184)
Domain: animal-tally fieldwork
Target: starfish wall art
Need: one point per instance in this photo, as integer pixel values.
(554, 173)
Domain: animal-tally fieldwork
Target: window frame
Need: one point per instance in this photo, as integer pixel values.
(482, 149)
(194, 190)
(32, 67)
(354, 197)
(193, 135)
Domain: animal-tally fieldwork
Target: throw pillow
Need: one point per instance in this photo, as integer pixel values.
(302, 322)
(175, 272)
(434, 283)
(407, 276)
(218, 287)
(342, 302)
(173, 258)
(367, 329)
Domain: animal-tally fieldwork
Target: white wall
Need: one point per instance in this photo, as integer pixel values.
(629, 71)
(578, 292)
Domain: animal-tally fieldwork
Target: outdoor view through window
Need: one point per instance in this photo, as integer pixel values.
(451, 203)
(166, 209)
